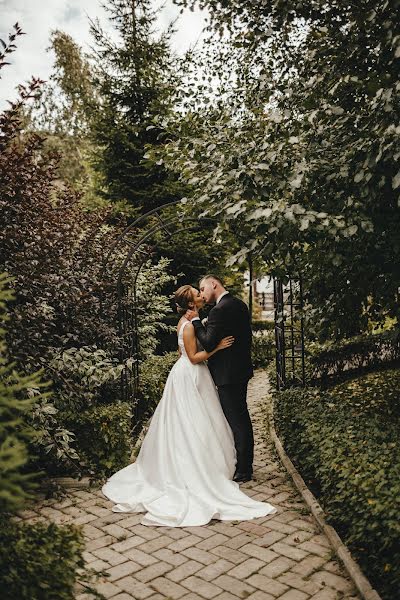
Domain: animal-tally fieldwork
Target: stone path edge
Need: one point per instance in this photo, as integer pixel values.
(359, 579)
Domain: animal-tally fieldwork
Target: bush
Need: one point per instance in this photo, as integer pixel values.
(345, 443)
(335, 360)
(261, 325)
(41, 561)
(103, 437)
(263, 348)
(153, 375)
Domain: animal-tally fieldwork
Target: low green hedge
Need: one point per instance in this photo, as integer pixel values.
(41, 561)
(261, 325)
(333, 361)
(103, 436)
(153, 375)
(263, 348)
(346, 445)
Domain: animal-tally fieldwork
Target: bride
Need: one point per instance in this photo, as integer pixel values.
(183, 473)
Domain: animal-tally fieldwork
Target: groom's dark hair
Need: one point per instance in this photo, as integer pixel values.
(212, 276)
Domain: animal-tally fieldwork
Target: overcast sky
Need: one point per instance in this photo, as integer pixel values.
(39, 17)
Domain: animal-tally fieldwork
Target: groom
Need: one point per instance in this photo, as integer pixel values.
(231, 369)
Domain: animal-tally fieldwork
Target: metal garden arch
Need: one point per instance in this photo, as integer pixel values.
(137, 244)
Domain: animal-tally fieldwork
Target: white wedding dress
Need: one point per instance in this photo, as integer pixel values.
(183, 473)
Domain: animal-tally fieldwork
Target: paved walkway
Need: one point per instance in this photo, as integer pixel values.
(278, 557)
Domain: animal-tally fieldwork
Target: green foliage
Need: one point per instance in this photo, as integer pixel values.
(16, 433)
(135, 79)
(41, 561)
(261, 325)
(345, 443)
(103, 436)
(332, 361)
(153, 375)
(263, 348)
(298, 141)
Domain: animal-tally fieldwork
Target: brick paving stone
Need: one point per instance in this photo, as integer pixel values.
(203, 532)
(288, 551)
(277, 567)
(102, 542)
(140, 557)
(225, 596)
(170, 557)
(234, 586)
(202, 588)
(265, 584)
(258, 595)
(296, 581)
(116, 530)
(206, 558)
(325, 594)
(153, 571)
(294, 595)
(148, 533)
(99, 565)
(309, 564)
(168, 588)
(127, 544)
(186, 542)
(241, 540)
(247, 568)
(122, 570)
(107, 589)
(270, 538)
(112, 557)
(212, 542)
(234, 556)
(264, 554)
(190, 567)
(156, 544)
(303, 524)
(331, 580)
(215, 569)
(298, 537)
(314, 548)
(92, 532)
(136, 588)
(281, 527)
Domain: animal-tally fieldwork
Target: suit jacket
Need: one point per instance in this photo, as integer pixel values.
(229, 317)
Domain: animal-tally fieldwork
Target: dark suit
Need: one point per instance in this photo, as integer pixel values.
(231, 370)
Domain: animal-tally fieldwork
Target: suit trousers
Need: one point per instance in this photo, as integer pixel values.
(233, 398)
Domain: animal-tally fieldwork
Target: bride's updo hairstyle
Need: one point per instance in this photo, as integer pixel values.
(184, 299)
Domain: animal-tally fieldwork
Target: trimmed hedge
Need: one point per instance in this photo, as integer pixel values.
(263, 348)
(345, 443)
(333, 361)
(261, 325)
(41, 561)
(103, 436)
(153, 375)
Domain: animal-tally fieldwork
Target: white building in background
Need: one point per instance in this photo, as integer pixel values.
(263, 295)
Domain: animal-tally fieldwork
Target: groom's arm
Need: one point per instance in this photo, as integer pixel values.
(209, 337)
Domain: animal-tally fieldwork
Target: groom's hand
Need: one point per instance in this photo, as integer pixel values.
(192, 314)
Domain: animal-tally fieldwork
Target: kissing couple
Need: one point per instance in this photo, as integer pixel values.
(199, 445)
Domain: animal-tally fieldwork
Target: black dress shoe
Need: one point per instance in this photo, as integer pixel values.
(242, 477)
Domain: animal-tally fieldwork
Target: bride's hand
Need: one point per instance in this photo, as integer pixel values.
(225, 343)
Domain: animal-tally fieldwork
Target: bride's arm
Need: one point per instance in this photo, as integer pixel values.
(189, 339)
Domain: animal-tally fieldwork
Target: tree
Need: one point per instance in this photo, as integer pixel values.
(16, 485)
(304, 149)
(135, 78)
